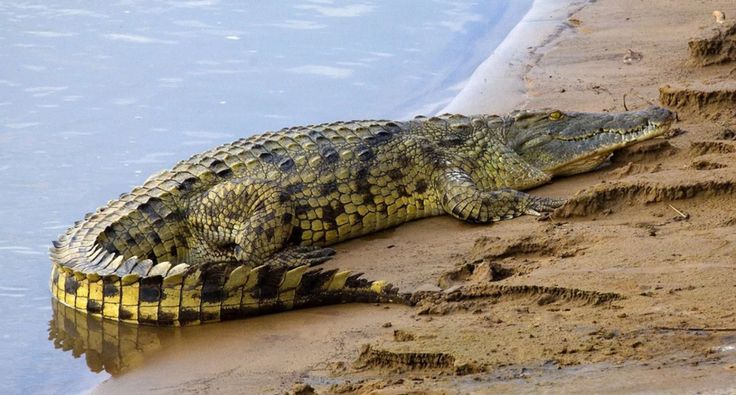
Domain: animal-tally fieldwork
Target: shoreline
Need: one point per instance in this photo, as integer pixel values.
(503, 72)
(669, 271)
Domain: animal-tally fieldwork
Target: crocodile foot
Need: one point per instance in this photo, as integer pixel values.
(294, 256)
(537, 205)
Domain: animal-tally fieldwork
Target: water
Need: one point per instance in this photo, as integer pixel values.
(95, 96)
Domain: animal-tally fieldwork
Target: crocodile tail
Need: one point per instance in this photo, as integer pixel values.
(136, 291)
(111, 345)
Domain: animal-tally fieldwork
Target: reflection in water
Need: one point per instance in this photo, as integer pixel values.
(106, 345)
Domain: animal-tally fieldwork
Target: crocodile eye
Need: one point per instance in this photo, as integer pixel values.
(556, 115)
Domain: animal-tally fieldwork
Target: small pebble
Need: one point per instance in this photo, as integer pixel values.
(720, 16)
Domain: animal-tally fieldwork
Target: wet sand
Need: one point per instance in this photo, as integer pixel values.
(630, 287)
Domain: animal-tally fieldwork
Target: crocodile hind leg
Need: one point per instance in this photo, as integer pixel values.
(461, 198)
(242, 220)
(249, 221)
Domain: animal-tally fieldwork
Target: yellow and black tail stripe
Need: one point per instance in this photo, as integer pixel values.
(186, 295)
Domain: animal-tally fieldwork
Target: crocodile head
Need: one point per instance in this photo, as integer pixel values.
(565, 143)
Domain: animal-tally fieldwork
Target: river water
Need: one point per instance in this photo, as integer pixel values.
(95, 96)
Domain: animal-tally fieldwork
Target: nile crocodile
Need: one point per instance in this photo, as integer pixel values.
(234, 231)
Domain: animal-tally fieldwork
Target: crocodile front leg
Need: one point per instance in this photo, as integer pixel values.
(460, 197)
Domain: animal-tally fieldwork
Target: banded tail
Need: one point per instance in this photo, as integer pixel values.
(186, 295)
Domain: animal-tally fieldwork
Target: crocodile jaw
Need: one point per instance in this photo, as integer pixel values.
(593, 159)
(574, 143)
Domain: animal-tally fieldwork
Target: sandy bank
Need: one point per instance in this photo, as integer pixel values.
(656, 228)
(497, 86)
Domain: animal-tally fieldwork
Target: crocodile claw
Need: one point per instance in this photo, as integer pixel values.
(537, 205)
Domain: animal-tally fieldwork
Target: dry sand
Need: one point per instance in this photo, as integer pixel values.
(630, 287)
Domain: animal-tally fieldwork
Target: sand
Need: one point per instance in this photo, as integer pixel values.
(630, 287)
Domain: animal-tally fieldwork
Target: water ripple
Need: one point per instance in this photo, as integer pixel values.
(347, 11)
(324, 71)
(136, 39)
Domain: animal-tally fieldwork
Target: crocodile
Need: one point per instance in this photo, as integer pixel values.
(237, 230)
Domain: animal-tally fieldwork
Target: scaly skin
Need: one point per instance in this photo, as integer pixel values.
(233, 231)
